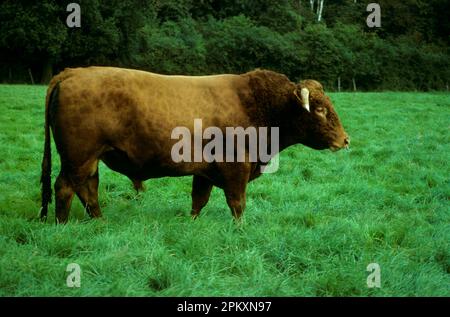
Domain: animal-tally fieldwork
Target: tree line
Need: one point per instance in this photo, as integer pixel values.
(327, 40)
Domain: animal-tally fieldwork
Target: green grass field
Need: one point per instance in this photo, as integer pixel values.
(310, 229)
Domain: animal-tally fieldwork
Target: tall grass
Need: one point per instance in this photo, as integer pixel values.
(310, 229)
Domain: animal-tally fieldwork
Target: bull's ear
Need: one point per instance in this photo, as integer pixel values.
(304, 99)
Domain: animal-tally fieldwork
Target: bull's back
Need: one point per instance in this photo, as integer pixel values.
(149, 97)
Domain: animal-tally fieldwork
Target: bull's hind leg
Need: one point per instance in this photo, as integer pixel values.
(201, 190)
(63, 196)
(82, 180)
(87, 192)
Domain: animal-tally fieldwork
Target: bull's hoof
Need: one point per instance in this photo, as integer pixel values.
(194, 214)
(138, 185)
(239, 222)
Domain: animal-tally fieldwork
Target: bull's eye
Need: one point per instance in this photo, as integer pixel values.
(321, 111)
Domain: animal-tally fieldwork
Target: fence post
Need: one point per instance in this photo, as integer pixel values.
(31, 76)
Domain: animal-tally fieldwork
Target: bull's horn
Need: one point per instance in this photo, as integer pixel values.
(305, 98)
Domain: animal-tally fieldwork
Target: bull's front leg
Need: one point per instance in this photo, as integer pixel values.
(236, 202)
(201, 190)
(236, 179)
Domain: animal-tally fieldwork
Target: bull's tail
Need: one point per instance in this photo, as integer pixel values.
(46, 174)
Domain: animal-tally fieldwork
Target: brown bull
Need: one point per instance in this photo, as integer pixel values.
(125, 118)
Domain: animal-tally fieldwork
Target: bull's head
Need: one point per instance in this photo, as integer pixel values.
(321, 126)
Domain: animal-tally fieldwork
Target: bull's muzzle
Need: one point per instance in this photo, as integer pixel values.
(344, 144)
(347, 142)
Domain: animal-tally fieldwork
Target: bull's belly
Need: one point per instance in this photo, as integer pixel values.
(151, 167)
(120, 162)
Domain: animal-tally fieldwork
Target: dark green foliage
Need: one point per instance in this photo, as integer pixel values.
(409, 52)
(173, 48)
(237, 45)
(324, 59)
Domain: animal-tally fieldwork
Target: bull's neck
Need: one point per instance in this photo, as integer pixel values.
(291, 130)
(290, 135)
